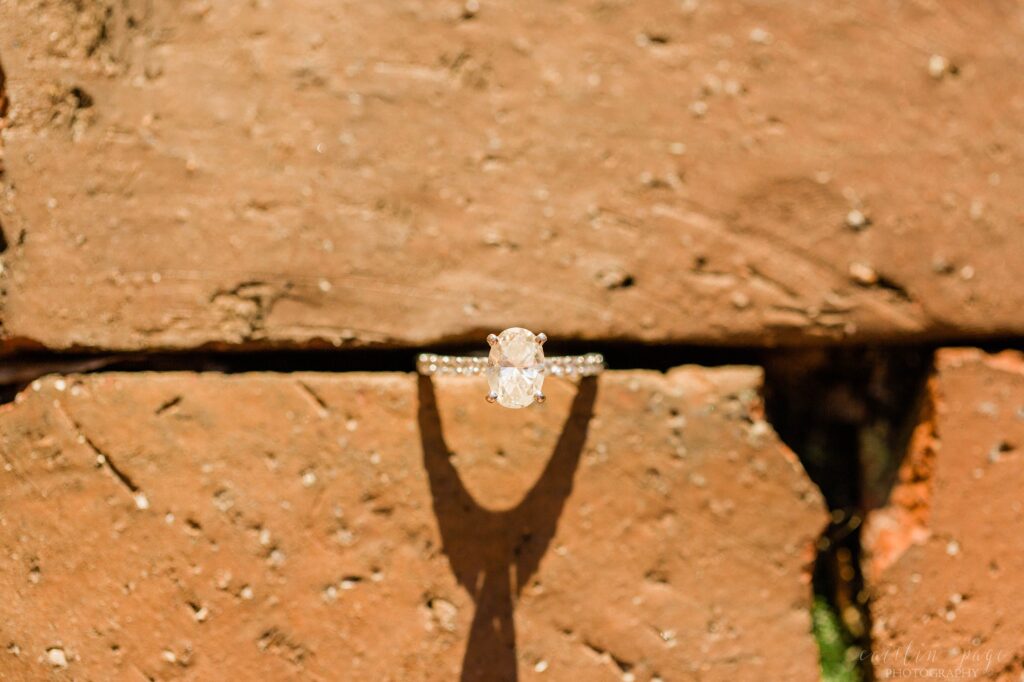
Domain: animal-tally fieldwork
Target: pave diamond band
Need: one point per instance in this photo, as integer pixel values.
(462, 365)
(515, 368)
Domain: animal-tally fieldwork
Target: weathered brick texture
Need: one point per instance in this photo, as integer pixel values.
(946, 557)
(372, 527)
(180, 174)
(238, 175)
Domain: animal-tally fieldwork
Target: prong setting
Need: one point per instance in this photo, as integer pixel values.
(539, 397)
(515, 367)
(492, 339)
(491, 397)
(541, 338)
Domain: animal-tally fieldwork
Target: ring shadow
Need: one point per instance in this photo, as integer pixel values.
(494, 553)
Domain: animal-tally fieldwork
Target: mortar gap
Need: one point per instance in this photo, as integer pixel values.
(21, 367)
(847, 414)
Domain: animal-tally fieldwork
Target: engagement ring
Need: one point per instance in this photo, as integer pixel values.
(515, 367)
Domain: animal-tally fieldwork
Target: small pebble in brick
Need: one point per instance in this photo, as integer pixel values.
(856, 219)
(863, 274)
(56, 657)
(937, 66)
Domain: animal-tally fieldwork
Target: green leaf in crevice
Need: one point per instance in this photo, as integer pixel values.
(837, 654)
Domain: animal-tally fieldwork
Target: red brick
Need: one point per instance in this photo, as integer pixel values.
(946, 556)
(398, 173)
(668, 535)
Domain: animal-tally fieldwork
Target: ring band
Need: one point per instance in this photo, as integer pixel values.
(515, 367)
(465, 365)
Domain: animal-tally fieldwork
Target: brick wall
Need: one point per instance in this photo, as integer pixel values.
(781, 224)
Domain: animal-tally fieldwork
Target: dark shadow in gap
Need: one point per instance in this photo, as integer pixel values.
(3, 97)
(494, 553)
(848, 414)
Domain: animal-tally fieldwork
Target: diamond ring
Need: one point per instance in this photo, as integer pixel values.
(515, 367)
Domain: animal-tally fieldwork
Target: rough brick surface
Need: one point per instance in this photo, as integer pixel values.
(315, 527)
(947, 554)
(178, 174)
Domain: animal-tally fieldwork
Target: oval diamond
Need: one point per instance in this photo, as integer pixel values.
(515, 367)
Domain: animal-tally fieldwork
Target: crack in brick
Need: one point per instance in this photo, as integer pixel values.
(320, 405)
(4, 103)
(104, 460)
(168, 404)
(4, 107)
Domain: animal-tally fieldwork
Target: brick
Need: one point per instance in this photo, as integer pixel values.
(315, 526)
(946, 554)
(407, 173)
